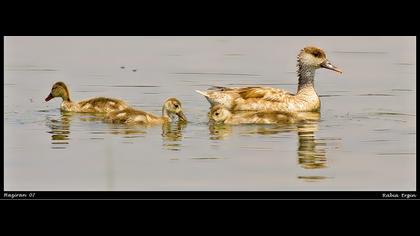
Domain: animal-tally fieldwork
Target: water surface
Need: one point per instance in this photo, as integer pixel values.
(365, 139)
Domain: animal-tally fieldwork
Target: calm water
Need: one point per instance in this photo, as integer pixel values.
(365, 139)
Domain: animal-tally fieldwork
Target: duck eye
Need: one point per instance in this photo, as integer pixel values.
(316, 54)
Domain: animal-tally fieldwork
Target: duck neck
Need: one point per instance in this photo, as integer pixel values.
(229, 118)
(165, 114)
(306, 76)
(67, 101)
(66, 94)
(66, 98)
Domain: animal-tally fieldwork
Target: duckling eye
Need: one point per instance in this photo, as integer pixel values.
(217, 113)
(176, 105)
(316, 54)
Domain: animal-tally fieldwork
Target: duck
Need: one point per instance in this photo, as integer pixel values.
(92, 105)
(305, 99)
(171, 109)
(220, 114)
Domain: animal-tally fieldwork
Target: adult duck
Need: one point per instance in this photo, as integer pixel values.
(171, 108)
(273, 99)
(92, 105)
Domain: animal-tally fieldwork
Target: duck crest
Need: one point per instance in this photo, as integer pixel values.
(315, 51)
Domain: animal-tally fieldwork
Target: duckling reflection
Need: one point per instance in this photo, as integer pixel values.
(172, 135)
(60, 136)
(127, 131)
(219, 131)
(171, 131)
(310, 150)
(59, 130)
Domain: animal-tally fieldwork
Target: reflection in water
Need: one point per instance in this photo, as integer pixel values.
(311, 152)
(127, 131)
(60, 128)
(172, 135)
(313, 178)
(60, 131)
(219, 131)
(60, 134)
(171, 132)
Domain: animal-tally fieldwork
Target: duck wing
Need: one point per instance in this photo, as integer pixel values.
(128, 115)
(244, 98)
(102, 104)
(264, 93)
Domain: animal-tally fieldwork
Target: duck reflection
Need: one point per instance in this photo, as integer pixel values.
(311, 152)
(59, 130)
(127, 131)
(172, 135)
(219, 131)
(60, 126)
(172, 132)
(60, 136)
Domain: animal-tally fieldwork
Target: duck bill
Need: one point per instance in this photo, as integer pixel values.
(50, 96)
(181, 116)
(329, 66)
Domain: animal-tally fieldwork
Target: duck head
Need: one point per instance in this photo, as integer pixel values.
(171, 107)
(59, 89)
(219, 114)
(316, 58)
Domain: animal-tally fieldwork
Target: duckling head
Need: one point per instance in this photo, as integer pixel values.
(59, 89)
(314, 57)
(172, 107)
(219, 113)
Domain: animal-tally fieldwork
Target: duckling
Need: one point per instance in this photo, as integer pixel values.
(221, 114)
(171, 108)
(274, 99)
(93, 105)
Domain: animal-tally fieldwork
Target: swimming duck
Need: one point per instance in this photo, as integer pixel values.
(274, 99)
(171, 108)
(221, 114)
(94, 105)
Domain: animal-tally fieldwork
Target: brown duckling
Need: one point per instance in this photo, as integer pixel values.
(93, 105)
(221, 114)
(170, 109)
